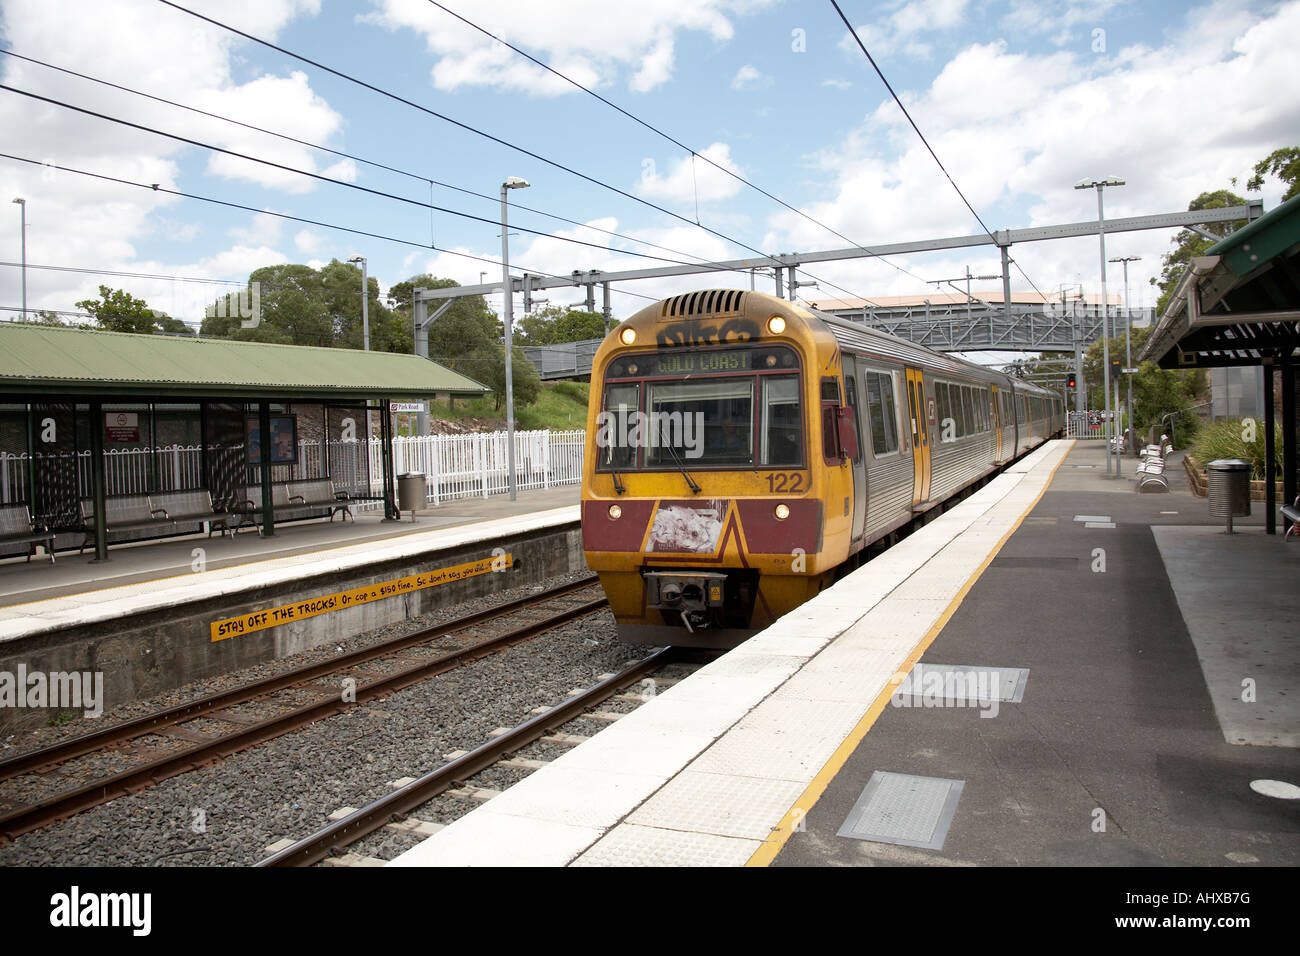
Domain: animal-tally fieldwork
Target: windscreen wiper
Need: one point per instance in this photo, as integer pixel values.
(695, 489)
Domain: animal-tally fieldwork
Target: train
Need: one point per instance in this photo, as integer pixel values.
(744, 451)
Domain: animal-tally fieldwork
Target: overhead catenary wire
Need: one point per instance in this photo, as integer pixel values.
(478, 132)
(129, 275)
(158, 188)
(898, 100)
(352, 156)
(337, 182)
(676, 142)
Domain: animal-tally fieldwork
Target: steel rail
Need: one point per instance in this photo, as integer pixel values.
(33, 816)
(48, 757)
(368, 819)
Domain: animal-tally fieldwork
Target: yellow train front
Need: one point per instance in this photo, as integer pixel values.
(716, 490)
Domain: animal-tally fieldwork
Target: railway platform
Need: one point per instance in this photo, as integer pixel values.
(161, 613)
(1129, 699)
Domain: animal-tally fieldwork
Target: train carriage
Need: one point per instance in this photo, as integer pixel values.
(743, 450)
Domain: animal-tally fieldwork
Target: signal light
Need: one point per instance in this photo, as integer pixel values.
(1069, 381)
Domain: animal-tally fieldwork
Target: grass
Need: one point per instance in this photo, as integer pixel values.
(560, 406)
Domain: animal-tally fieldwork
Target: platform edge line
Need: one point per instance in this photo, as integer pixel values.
(782, 832)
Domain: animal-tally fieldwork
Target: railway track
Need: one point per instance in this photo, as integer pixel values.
(265, 709)
(393, 808)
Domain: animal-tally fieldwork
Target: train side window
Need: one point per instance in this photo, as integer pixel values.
(882, 410)
(942, 406)
(851, 396)
(781, 431)
(621, 401)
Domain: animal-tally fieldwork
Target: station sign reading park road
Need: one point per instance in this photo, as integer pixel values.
(326, 603)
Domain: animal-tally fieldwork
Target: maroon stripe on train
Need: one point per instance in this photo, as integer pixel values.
(764, 534)
(600, 532)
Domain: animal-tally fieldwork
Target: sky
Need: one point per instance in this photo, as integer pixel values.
(1020, 99)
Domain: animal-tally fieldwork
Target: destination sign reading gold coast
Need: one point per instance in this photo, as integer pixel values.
(325, 603)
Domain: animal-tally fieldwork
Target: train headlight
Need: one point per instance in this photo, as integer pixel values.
(782, 511)
(776, 325)
(615, 512)
(627, 336)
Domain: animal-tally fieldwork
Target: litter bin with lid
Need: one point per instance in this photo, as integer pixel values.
(1229, 488)
(410, 492)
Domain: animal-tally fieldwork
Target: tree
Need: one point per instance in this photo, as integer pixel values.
(1157, 392)
(299, 305)
(1282, 163)
(554, 324)
(1189, 244)
(118, 311)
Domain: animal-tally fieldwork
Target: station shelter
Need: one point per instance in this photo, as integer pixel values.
(87, 414)
(1239, 304)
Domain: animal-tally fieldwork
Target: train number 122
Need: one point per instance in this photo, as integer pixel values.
(782, 482)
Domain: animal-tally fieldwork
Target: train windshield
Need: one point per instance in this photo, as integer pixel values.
(693, 410)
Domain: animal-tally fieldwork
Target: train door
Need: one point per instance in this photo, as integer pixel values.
(997, 426)
(859, 466)
(916, 409)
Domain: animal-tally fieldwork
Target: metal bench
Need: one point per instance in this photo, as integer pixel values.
(1291, 513)
(17, 527)
(1151, 471)
(121, 513)
(184, 507)
(297, 499)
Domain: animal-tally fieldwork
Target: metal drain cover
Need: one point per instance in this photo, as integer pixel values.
(904, 809)
(929, 684)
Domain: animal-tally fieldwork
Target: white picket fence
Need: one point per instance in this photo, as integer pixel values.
(454, 466)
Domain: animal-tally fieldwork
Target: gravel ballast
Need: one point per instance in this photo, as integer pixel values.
(229, 813)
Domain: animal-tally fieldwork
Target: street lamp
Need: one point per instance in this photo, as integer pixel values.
(365, 303)
(23, 203)
(1099, 185)
(1128, 337)
(512, 182)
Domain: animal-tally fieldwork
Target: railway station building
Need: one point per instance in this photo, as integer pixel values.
(92, 424)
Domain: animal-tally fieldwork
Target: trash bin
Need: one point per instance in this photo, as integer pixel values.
(410, 492)
(1229, 488)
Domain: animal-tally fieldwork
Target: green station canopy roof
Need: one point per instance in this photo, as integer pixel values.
(37, 360)
(1239, 304)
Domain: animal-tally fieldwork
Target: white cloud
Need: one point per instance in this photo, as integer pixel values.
(691, 178)
(837, 84)
(263, 228)
(749, 78)
(900, 32)
(309, 242)
(79, 221)
(1017, 130)
(610, 43)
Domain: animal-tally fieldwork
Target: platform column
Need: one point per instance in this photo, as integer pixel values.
(264, 456)
(1289, 435)
(1270, 470)
(386, 443)
(97, 479)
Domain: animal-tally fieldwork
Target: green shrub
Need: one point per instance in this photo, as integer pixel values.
(1227, 439)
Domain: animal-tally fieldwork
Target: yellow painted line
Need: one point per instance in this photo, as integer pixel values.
(794, 817)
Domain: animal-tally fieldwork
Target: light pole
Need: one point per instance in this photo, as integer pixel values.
(23, 203)
(1128, 338)
(365, 303)
(512, 182)
(1099, 185)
